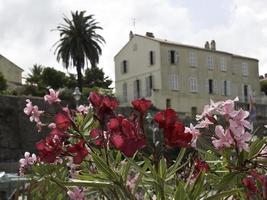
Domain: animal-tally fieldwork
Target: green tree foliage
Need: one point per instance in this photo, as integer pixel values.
(34, 78)
(263, 85)
(95, 77)
(3, 82)
(53, 78)
(79, 42)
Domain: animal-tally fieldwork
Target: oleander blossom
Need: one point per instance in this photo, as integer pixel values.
(223, 138)
(83, 109)
(195, 134)
(32, 111)
(27, 161)
(76, 194)
(52, 97)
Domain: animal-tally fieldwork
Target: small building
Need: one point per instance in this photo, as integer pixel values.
(181, 76)
(12, 73)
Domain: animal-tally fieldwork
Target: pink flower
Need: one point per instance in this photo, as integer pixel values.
(223, 139)
(29, 107)
(83, 109)
(76, 194)
(204, 123)
(27, 160)
(52, 97)
(35, 114)
(242, 141)
(195, 133)
(240, 120)
(52, 125)
(228, 108)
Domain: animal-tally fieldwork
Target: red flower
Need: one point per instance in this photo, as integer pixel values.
(250, 184)
(62, 121)
(126, 136)
(201, 165)
(57, 132)
(173, 130)
(104, 105)
(142, 105)
(97, 136)
(49, 149)
(80, 150)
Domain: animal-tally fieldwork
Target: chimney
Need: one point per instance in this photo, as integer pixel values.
(213, 45)
(150, 34)
(207, 45)
(131, 35)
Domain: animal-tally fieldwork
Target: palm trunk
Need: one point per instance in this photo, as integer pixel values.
(80, 78)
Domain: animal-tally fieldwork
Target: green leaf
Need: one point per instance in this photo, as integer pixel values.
(255, 147)
(223, 194)
(198, 186)
(180, 193)
(87, 183)
(173, 169)
(162, 168)
(227, 180)
(102, 166)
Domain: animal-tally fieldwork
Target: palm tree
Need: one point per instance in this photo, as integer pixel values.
(35, 75)
(79, 42)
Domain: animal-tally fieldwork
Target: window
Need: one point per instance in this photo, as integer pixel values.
(173, 78)
(168, 103)
(193, 84)
(152, 57)
(192, 59)
(245, 89)
(149, 85)
(245, 69)
(173, 57)
(211, 86)
(224, 88)
(193, 112)
(137, 88)
(124, 92)
(223, 64)
(124, 67)
(210, 62)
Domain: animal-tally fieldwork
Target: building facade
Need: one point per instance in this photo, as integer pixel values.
(181, 76)
(12, 73)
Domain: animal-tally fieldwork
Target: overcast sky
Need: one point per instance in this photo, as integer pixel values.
(237, 26)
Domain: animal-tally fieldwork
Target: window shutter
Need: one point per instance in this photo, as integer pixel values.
(222, 87)
(135, 89)
(176, 82)
(154, 57)
(207, 86)
(140, 89)
(127, 66)
(215, 87)
(196, 84)
(124, 92)
(242, 93)
(176, 57)
(122, 67)
(249, 91)
(169, 57)
(147, 87)
(228, 90)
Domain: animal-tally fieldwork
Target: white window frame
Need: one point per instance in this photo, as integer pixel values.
(176, 57)
(245, 69)
(192, 59)
(126, 66)
(210, 62)
(223, 65)
(193, 84)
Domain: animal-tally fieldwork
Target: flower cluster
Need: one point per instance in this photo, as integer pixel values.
(113, 156)
(235, 134)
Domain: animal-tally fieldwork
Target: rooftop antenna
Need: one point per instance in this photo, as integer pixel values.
(134, 22)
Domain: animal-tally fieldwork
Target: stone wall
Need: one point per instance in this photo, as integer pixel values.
(17, 133)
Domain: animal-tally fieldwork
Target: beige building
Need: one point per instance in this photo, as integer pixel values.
(11, 72)
(181, 76)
